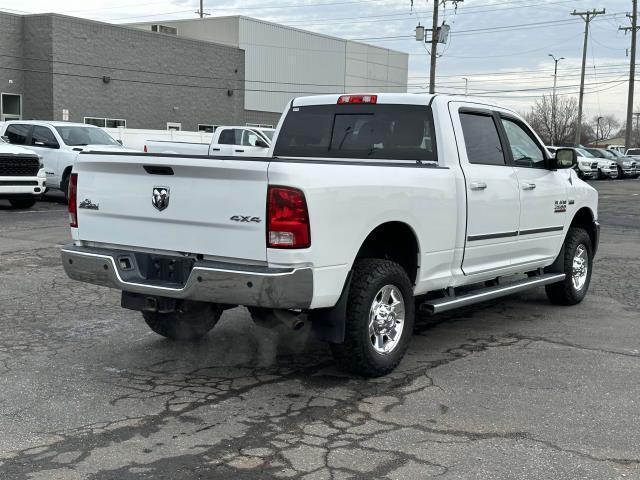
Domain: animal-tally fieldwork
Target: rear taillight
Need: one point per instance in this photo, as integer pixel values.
(72, 196)
(287, 218)
(345, 99)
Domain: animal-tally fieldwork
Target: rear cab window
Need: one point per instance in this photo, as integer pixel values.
(373, 132)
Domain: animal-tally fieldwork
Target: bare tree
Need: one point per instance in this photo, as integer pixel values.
(606, 128)
(562, 130)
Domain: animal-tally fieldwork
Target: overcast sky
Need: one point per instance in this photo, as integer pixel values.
(502, 47)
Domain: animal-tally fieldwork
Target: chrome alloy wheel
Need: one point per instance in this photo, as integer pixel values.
(580, 267)
(386, 319)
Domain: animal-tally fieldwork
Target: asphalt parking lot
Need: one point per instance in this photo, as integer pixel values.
(513, 389)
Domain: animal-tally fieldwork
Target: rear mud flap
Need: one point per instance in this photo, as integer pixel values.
(329, 324)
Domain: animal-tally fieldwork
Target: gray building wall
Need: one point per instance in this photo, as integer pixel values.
(262, 118)
(11, 54)
(153, 79)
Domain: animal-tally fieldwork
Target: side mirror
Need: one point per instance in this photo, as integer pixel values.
(566, 158)
(120, 142)
(261, 143)
(6, 139)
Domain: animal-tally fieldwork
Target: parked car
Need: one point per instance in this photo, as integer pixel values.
(587, 168)
(365, 204)
(22, 177)
(58, 144)
(606, 168)
(633, 153)
(617, 148)
(627, 166)
(620, 155)
(226, 141)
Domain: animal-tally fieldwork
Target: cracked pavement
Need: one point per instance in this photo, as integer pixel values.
(512, 389)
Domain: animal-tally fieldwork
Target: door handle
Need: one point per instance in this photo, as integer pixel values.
(215, 149)
(477, 185)
(528, 186)
(239, 151)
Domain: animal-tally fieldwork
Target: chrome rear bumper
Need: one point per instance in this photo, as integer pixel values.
(215, 282)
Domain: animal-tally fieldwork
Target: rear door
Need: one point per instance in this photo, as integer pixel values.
(174, 204)
(493, 200)
(543, 194)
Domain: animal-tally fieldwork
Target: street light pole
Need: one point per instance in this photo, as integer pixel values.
(553, 100)
(598, 130)
(466, 86)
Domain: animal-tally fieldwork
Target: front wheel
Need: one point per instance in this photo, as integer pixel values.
(192, 321)
(577, 265)
(379, 321)
(22, 204)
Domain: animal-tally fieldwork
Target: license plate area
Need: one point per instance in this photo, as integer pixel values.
(157, 269)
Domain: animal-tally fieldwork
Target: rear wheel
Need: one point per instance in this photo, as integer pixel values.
(194, 320)
(578, 261)
(23, 203)
(64, 185)
(380, 318)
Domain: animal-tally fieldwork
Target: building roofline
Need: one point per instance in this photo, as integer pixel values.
(252, 19)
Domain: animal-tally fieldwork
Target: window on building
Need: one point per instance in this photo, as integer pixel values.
(174, 126)
(164, 29)
(259, 125)
(207, 128)
(105, 122)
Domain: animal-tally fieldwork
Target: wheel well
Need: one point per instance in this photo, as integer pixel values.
(66, 173)
(393, 241)
(584, 219)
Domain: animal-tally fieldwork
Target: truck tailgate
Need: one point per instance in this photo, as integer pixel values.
(215, 207)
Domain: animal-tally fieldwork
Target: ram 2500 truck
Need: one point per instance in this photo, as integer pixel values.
(226, 141)
(22, 177)
(368, 208)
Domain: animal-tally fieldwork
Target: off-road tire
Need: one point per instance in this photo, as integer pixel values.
(193, 321)
(22, 204)
(357, 354)
(565, 293)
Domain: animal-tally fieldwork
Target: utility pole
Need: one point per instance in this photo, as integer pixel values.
(637, 115)
(587, 17)
(434, 48)
(632, 72)
(553, 100)
(597, 131)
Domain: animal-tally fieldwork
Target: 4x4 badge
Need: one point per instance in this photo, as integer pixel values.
(160, 198)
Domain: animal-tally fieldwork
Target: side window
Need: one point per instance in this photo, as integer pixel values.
(43, 137)
(227, 137)
(525, 151)
(482, 139)
(17, 134)
(249, 138)
(231, 136)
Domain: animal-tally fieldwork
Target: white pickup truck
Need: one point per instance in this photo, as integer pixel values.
(58, 144)
(226, 142)
(22, 177)
(368, 207)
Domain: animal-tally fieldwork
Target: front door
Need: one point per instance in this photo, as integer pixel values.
(543, 195)
(493, 200)
(45, 144)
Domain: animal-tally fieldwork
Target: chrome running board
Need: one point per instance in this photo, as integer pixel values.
(490, 293)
